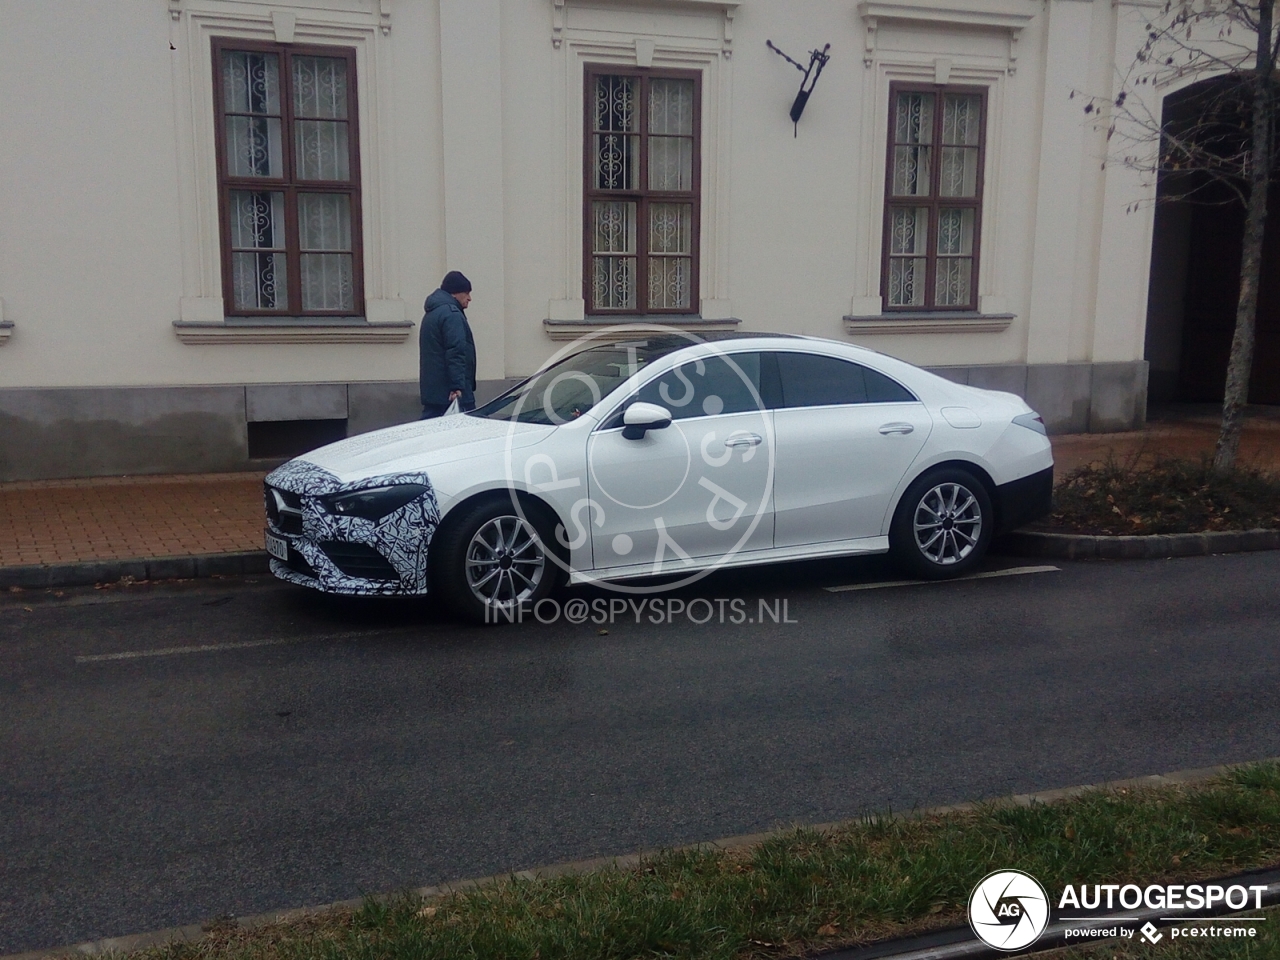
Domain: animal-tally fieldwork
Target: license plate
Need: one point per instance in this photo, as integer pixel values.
(278, 547)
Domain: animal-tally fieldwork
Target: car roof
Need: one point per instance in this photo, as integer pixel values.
(664, 345)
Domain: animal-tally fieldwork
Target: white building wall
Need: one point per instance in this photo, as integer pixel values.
(471, 147)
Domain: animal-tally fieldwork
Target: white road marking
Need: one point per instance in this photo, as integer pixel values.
(1010, 572)
(211, 647)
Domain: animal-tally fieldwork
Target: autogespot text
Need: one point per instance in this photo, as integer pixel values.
(665, 610)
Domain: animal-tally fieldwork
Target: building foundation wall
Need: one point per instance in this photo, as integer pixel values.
(48, 433)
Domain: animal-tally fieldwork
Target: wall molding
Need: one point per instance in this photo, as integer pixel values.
(562, 330)
(925, 67)
(728, 9)
(289, 330)
(347, 23)
(1005, 15)
(602, 32)
(929, 323)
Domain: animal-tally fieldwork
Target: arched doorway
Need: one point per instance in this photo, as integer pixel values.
(1195, 271)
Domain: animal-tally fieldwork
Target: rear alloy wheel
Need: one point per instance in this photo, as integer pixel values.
(943, 525)
(492, 563)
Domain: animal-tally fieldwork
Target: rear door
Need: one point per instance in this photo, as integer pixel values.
(845, 436)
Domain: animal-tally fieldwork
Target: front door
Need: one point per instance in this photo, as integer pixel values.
(697, 490)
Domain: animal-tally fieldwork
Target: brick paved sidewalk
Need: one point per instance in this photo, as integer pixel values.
(124, 518)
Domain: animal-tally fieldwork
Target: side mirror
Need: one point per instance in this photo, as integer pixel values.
(641, 417)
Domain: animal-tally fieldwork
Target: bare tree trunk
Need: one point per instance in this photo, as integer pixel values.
(1240, 365)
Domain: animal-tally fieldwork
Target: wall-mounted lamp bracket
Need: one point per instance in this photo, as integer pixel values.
(817, 60)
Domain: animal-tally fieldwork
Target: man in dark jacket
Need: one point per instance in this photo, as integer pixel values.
(446, 349)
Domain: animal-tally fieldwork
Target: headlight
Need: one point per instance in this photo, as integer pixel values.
(374, 503)
(1032, 421)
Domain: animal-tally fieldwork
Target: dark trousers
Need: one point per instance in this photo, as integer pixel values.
(432, 410)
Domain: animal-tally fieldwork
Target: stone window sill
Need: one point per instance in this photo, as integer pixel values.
(292, 330)
(573, 329)
(929, 322)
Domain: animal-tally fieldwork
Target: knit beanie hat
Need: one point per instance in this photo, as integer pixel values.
(455, 282)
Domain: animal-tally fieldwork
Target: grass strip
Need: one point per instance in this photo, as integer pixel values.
(799, 890)
(1133, 497)
(1264, 946)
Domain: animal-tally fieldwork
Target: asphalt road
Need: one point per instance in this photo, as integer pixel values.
(324, 749)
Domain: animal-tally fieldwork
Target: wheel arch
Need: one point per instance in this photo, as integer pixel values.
(529, 503)
(978, 470)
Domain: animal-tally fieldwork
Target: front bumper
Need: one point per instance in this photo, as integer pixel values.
(347, 554)
(344, 567)
(1020, 501)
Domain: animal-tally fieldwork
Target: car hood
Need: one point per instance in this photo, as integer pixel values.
(415, 447)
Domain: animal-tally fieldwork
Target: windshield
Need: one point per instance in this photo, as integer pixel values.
(568, 389)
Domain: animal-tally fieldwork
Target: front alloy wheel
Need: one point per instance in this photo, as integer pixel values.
(505, 563)
(489, 564)
(943, 525)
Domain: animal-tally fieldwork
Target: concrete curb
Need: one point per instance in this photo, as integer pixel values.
(40, 576)
(1019, 543)
(1075, 546)
(192, 932)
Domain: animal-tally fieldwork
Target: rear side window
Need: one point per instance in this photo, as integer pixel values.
(810, 380)
(880, 389)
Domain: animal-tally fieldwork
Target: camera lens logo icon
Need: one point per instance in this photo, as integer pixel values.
(1008, 910)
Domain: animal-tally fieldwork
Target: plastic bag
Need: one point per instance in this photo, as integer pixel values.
(453, 409)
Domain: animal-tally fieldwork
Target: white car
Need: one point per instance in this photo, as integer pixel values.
(664, 456)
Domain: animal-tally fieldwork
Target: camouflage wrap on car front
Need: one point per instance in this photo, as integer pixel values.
(402, 536)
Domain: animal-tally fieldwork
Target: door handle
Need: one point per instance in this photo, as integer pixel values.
(903, 428)
(744, 440)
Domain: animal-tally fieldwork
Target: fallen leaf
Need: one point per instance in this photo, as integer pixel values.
(827, 930)
(427, 912)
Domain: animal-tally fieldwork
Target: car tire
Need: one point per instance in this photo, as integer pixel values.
(491, 565)
(943, 525)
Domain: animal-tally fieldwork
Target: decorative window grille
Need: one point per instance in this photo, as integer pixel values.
(933, 197)
(641, 192)
(288, 179)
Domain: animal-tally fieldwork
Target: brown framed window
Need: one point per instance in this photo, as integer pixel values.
(933, 197)
(288, 179)
(642, 191)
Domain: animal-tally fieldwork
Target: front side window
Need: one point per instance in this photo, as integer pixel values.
(288, 180)
(933, 198)
(708, 387)
(641, 193)
(567, 389)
